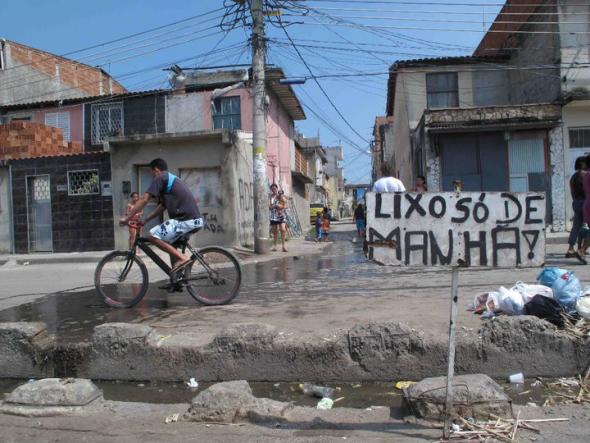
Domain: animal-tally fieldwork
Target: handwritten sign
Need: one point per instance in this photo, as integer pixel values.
(480, 229)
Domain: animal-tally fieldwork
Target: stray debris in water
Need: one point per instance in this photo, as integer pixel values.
(325, 403)
(172, 418)
(404, 384)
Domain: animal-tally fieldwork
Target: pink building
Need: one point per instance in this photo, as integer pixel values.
(222, 99)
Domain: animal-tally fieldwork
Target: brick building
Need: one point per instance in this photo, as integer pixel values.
(31, 75)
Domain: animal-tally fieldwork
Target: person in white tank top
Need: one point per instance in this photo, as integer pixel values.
(388, 183)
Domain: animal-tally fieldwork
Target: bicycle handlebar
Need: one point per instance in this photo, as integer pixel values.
(134, 224)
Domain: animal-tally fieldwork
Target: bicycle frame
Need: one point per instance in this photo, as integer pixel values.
(143, 242)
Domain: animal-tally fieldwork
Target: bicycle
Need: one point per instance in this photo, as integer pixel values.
(212, 277)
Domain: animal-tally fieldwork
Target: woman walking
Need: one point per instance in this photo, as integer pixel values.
(277, 206)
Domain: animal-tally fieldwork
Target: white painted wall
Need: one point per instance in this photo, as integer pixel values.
(574, 115)
(575, 44)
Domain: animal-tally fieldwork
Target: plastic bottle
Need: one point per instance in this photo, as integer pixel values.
(317, 391)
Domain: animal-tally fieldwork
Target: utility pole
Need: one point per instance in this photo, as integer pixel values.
(260, 184)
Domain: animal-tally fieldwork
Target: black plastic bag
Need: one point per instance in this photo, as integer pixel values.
(545, 308)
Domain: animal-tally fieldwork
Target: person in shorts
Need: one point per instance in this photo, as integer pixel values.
(173, 196)
(360, 218)
(277, 206)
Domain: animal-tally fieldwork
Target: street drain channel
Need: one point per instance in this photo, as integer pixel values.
(349, 395)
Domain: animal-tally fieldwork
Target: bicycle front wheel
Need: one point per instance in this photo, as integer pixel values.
(217, 281)
(121, 279)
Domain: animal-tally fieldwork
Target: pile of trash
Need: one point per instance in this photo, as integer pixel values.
(558, 297)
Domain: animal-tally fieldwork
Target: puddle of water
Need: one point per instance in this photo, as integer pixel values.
(346, 395)
(72, 316)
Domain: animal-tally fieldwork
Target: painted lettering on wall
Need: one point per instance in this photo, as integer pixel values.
(246, 195)
(448, 229)
(211, 223)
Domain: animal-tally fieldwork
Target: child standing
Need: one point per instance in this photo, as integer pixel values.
(325, 227)
(134, 231)
(318, 227)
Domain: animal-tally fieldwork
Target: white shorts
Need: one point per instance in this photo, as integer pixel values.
(171, 230)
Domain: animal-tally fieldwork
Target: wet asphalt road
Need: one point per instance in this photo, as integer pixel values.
(289, 291)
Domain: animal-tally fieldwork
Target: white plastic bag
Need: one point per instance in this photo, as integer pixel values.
(583, 305)
(529, 291)
(508, 301)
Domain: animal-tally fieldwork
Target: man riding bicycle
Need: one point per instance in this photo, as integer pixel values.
(173, 196)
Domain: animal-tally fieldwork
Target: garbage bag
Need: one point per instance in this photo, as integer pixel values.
(548, 276)
(545, 308)
(565, 285)
(511, 301)
(504, 300)
(583, 305)
(529, 291)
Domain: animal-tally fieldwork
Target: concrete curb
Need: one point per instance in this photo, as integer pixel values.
(259, 352)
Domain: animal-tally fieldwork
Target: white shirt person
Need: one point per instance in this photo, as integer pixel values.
(388, 184)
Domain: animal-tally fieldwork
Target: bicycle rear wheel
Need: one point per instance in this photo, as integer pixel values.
(121, 279)
(218, 282)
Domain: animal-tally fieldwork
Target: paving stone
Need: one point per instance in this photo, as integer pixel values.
(474, 395)
(229, 402)
(55, 392)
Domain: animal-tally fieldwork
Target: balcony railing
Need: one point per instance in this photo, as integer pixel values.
(300, 163)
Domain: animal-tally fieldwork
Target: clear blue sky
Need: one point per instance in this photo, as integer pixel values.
(329, 48)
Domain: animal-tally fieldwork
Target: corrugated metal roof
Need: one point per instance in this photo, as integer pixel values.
(285, 93)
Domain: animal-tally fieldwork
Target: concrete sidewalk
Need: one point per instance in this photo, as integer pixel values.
(297, 247)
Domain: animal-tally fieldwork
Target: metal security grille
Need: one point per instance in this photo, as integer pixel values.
(107, 121)
(580, 138)
(41, 188)
(83, 182)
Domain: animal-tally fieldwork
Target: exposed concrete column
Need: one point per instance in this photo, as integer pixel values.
(558, 191)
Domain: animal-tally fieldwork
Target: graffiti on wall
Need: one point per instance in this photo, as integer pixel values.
(246, 195)
(211, 223)
(449, 229)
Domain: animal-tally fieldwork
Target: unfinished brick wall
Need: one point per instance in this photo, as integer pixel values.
(24, 139)
(77, 75)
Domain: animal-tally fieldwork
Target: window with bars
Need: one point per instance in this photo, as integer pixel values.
(442, 90)
(84, 182)
(579, 137)
(59, 120)
(226, 113)
(107, 121)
